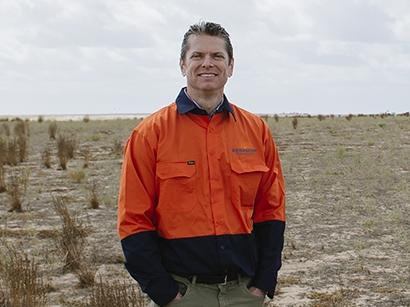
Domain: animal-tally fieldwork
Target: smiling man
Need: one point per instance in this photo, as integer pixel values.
(201, 212)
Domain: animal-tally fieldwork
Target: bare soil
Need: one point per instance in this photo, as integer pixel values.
(348, 209)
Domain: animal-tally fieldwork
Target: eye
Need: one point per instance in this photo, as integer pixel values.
(195, 56)
(219, 56)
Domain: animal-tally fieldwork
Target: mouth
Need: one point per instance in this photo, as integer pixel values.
(207, 75)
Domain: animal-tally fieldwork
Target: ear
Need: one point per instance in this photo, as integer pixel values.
(230, 68)
(182, 67)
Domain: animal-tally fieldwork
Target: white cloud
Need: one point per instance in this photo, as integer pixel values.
(109, 55)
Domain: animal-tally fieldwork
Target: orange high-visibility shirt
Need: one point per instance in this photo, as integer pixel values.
(201, 195)
(188, 176)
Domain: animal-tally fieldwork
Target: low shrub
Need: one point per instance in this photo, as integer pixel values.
(52, 130)
(71, 241)
(22, 144)
(86, 154)
(77, 176)
(65, 149)
(16, 187)
(46, 158)
(6, 129)
(93, 198)
(117, 148)
(23, 283)
(117, 294)
(295, 122)
(2, 180)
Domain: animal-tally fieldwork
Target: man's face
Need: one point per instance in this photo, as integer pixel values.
(206, 64)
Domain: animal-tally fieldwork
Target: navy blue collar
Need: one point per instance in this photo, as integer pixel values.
(185, 105)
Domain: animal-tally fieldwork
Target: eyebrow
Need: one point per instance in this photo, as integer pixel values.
(213, 53)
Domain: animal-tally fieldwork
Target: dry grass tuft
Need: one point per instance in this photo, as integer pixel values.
(71, 238)
(295, 122)
(71, 146)
(12, 151)
(46, 158)
(16, 187)
(23, 283)
(52, 130)
(71, 241)
(22, 147)
(86, 119)
(6, 129)
(94, 202)
(117, 148)
(21, 128)
(65, 149)
(86, 154)
(349, 117)
(3, 187)
(3, 151)
(284, 281)
(337, 298)
(77, 176)
(117, 294)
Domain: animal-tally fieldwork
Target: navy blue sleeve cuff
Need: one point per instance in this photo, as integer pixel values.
(143, 262)
(269, 238)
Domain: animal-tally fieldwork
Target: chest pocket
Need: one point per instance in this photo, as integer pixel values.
(245, 178)
(176, 183)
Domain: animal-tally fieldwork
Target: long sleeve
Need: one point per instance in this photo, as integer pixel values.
(269, 220)
(136, 220)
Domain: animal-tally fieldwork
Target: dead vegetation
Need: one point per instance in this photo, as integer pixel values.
(65, 149)
(86, 154)
(13, 151)
(295, 122)
(46, 158)
(22, 283)
(3, 187)
(93, 197)
(71, 242)
(347, 236)
(115, 293)
(338, 298)
(117, 147)
(6, 129)
(52, 130)
(77, 176)
(16, 188)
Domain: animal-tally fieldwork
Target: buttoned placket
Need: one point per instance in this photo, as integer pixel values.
(216, 183)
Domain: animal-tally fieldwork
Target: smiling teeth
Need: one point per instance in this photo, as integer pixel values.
(208, 75)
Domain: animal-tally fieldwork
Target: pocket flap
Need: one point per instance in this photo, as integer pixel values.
(166, 170)
(248, 166)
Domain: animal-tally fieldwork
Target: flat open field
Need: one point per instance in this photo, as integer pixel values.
(348, 208)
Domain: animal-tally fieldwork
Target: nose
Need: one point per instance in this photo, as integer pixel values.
(207, 62)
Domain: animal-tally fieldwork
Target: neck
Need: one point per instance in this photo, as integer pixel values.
(208, 101)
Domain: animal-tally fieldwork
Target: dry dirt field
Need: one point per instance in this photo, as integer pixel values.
(348, 215)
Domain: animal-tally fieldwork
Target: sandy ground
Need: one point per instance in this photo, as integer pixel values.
(348, 207)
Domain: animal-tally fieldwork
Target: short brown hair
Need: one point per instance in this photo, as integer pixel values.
(208, 28)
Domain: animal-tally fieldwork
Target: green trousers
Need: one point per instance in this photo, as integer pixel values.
(232, 294)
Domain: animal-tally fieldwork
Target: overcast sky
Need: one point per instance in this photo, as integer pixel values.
(121, 56)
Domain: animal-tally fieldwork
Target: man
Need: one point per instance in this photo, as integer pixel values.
(201, 207)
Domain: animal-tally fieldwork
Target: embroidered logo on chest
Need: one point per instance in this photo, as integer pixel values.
(244, 150)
